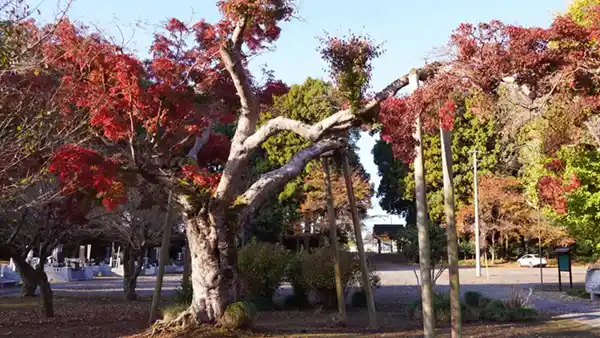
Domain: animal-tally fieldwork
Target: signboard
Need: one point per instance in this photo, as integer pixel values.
(564, 263)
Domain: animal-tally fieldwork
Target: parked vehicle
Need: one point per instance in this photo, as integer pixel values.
(531, 260)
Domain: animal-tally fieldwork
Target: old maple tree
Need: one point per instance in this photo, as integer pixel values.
(165, 120)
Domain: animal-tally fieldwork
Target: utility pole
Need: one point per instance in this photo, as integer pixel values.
(540, 244)
(476, 203)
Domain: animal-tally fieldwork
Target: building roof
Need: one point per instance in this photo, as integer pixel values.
(390, 230)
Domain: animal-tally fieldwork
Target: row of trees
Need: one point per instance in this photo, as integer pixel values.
(194, 121)
(525, 99)
(110, 135)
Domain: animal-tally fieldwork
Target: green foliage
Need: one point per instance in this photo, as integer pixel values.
(476, 299)
(184, 293)
(579, 293)
(238, 315)
(294, 276)
(396, 190)
(578, 10)
(392, 187)
(497, 311)
(466, 248)
(469, 133)
(309, 102)
(583, 204)
(408, 242)
(479, 307)
(441, 308)
(261, 268)
(317, 274)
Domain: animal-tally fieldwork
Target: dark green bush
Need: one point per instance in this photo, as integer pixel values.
(184, 293)
(299, 298)
(318, 274)
(359, 299)
(497, 311)
(441, 308)
(476, 299)
(239, 315)
(261, 268)
(472, 298)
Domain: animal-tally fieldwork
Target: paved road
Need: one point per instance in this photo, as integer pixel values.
(106, 285)
(399, 283)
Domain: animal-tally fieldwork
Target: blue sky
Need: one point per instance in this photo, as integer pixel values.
(409, 30)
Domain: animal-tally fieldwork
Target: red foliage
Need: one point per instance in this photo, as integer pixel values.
(215, 151)
(264, 25)
(350, 60)
(447, 115)
(84, 170)
(201, 178)
(398, 127)
(552, 191)
(556, 165)
(272, 89)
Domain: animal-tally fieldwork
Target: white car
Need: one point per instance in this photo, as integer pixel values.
(531, 260)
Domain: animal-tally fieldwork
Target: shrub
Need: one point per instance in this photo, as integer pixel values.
(495, 311)
(238, 315)
(318, 274)
(261, 268)
(517, 298)
(472, 298)
(441, 308)
(184, 293)
(359, 299)
(500, 311)
(294, 276)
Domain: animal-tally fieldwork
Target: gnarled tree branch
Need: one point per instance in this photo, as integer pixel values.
(341, 120)
(269, 182)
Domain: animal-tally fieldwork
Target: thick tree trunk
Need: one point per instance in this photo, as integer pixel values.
(451, 235)
(214, 274)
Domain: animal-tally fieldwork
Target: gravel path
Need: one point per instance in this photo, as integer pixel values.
(399, 283)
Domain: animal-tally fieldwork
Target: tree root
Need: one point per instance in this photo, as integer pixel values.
(182, 323)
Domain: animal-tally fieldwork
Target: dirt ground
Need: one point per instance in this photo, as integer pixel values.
(94, 317)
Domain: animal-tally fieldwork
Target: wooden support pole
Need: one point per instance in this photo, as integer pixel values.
(455, 310)
(164, 256)
(334, 241)
(359, 241)
(423, 225)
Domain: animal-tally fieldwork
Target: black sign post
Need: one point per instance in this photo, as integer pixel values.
(563, 256)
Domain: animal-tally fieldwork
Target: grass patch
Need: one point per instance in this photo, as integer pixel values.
(578, 293)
